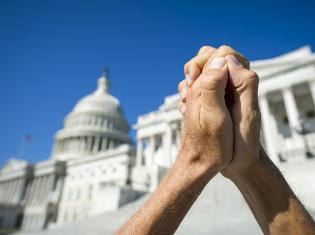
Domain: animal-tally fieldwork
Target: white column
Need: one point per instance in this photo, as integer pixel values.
(269, 129)
(34, 189)
(78, 144)
(7, 191)
(40, 188)
(89, 143)
(1, 191)
(139, 152)
(167, 143)
(293, 116)
(75, 145)
(19, 189)
(48, 186)
(96, 143)
(43, 188)
(312, 89)
(150, 158)
(104, 143)
(13, 190)
(9, 188)
(291, 108)
(83, 144)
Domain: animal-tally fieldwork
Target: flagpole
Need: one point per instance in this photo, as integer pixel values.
(22, 147)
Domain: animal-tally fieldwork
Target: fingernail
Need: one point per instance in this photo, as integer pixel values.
(233, 61)
(188, 79)
(217, 63)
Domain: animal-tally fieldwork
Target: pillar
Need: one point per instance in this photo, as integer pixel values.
(312, 89)
(19, 190)
(89, 143)
(167, 144)
(269, 129)
(104, 143)
(1, 191)
(291, 108)
(96, 143)
(150, 158)
(139, 152)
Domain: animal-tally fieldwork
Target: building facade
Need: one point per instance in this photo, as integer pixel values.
(94, 167)
(286, 100)
(89, 171)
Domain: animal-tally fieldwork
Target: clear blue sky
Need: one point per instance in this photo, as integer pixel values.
(52, 52)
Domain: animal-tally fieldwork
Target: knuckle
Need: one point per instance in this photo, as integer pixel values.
(225, 48)
(211, 78)
(205, 49)
(213, 73)
(189, 64)
(186, 67)
(252, 77)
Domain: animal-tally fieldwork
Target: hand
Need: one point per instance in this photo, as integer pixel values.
(208, 133)
(241, 99)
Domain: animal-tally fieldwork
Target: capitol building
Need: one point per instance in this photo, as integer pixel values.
(97, 177)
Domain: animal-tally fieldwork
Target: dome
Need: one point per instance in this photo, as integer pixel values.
(95, 124)
(101, 101)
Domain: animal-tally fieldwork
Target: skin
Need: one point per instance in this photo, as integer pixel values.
(276, 208)
(206, 149)
(221, 134)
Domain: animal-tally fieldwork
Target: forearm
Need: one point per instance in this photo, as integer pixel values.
(276, 208)
(169, 204)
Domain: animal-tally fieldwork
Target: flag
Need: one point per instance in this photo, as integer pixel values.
(28, 138)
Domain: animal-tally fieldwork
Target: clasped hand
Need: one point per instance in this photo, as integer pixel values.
(221, 113)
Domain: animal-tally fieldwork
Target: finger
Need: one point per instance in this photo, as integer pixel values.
(181, 107)
(181, 85)
(245, 83)
(193, 68)
(206, 49)
(211, 84)
(183, 95)
(223, 51)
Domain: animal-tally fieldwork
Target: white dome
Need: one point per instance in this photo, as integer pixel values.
(95, 124)
(101, 101)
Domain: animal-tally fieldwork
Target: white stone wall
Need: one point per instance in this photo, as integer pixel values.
(97, 184)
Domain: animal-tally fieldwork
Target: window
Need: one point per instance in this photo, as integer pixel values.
(310, 114)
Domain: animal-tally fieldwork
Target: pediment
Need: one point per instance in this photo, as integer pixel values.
(13, 164)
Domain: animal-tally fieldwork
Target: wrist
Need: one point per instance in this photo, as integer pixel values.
(194, 165)
(251, 168)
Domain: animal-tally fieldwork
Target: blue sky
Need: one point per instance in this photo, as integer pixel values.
(52, 52)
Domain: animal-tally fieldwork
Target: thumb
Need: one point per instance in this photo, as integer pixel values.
(213, 82)
(244, 83)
